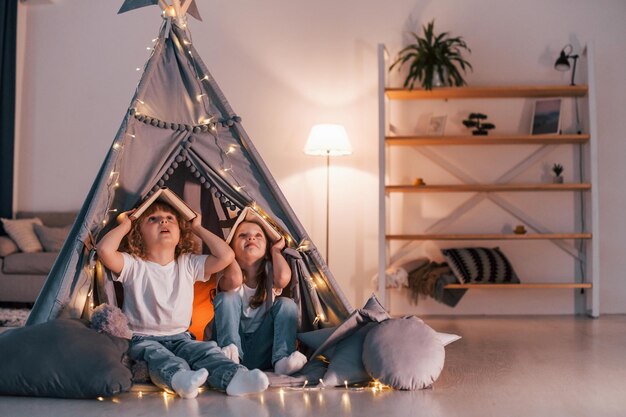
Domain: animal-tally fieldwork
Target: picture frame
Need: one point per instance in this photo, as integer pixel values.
(436, 125)
(546, 117)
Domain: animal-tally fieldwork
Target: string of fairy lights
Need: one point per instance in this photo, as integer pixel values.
(207, 124)
(374, 387)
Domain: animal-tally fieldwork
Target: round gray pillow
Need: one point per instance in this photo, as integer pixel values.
(403, 353)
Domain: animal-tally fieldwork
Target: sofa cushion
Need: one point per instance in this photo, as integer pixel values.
(7, 246)
(52, 238)
(23, 233)
(29, 263)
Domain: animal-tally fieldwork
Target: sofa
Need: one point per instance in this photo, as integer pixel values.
(22, 274)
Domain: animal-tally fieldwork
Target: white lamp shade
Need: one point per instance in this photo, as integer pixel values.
(328, 139)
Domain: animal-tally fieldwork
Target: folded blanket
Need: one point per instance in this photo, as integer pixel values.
(430, 280)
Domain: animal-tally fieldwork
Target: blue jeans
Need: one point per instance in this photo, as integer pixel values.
(167, 355)
(273, 340)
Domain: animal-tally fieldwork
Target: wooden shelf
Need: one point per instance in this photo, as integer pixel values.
(485, 188)
(490, 236)
(522, 286)
(519, 91)
(487, 140)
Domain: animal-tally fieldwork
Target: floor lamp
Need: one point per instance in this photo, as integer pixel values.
(328, 140)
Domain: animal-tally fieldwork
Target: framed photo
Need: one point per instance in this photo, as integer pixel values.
(546, 117)
(436, 125)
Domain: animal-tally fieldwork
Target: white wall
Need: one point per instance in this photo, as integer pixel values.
(287, 65)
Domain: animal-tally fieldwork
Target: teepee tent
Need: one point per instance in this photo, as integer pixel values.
(180, 132)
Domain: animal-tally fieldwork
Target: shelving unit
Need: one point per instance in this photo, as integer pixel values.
(586, 253)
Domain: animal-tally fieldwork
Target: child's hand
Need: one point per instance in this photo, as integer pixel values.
(279, 244)
(124, 218)
(196, 222)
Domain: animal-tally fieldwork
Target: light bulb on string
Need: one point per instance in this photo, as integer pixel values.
(170, 11)
(114, 177)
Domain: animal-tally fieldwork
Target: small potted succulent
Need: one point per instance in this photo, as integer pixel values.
(477, 121)
(433, 59)
(558, 170)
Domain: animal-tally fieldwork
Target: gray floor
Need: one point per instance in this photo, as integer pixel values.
(512, 366)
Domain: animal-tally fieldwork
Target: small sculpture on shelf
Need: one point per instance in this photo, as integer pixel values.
(519, 229)
(558, 170)
(419, 182)
(476, 120)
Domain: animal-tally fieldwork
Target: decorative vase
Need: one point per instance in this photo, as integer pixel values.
(437, 81)
(557, 179)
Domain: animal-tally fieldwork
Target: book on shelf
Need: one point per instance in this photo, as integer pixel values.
(168, 196)
(250, 214)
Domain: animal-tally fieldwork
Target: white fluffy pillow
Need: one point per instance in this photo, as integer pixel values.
(23, 233)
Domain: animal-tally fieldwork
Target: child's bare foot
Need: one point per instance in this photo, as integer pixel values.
(247, 382)
(186, 383)
(290, 364)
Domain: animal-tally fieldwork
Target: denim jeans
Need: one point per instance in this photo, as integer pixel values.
(167, 355)
(273, 340)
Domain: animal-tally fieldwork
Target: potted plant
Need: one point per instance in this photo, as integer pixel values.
(433, 57)
(558, 170)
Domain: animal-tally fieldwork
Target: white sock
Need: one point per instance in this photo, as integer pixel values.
(186, 383)
(290, 364)
(247, 382)
(231, 352)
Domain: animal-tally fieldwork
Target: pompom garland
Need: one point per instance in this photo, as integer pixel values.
(204, 127)
(110, 320)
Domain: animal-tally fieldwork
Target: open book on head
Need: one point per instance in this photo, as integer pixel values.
(167, 196)
(250, 214)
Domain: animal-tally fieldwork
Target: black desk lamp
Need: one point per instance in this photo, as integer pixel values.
(562, 62)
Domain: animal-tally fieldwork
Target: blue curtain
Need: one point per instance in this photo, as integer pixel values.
(8, 34)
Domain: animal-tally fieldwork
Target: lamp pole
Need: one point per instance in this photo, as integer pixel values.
(327, 206)
(328, 140)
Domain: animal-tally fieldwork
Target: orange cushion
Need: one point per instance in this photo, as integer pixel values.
(202, 307)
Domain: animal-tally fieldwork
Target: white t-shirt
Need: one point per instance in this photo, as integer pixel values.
(251, 318)
(158, 299)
